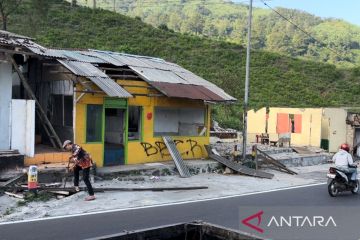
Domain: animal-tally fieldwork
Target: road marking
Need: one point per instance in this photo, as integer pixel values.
(164, 204)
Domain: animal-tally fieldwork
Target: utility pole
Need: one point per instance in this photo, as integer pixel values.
(247, 80)
(114, 6)
(94, 4)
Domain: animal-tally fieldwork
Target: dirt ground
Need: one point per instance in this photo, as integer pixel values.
(220, 185)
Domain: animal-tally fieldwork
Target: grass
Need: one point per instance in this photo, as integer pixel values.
(275, 79)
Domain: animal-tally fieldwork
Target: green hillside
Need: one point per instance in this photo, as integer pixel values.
(276, 80)
(225, 20)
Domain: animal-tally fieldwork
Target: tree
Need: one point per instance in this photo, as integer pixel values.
(73, 3)
(7, 7)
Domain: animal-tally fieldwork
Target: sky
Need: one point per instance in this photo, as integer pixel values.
(349, 10)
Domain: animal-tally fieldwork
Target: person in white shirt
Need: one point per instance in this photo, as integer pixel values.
(344, 161)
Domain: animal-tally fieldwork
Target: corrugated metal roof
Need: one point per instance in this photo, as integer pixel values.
(156, 75)
(7, 34)
(187, 91)
(105, 56)
(79, 56)
(110, 87)
(99, 78)
(82, 69)
(165, 75)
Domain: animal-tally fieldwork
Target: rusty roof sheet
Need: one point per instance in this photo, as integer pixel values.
(187, 91)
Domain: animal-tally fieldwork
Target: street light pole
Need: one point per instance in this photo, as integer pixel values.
(247, 80)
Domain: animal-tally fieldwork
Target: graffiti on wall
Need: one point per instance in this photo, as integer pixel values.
(159, 147)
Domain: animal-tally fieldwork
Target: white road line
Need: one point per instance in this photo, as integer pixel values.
(162, 205)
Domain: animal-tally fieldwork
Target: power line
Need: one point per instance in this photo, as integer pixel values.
(305, 32)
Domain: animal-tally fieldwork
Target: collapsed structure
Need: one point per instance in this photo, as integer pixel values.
(117, 106)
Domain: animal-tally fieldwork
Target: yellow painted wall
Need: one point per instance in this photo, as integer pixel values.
(256, 123)
(149, 151)
(95, 149)
(311, 125)
(337, 127)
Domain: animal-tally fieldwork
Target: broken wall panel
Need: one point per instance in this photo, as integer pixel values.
(23, 126)
(178, 121)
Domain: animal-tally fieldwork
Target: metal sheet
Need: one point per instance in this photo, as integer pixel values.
(82, 69)
(105, 56)
(110, 87)
(220, 92)
(176, 156)
(186, 91)
(79, 56)
(130, 60)
(194, 79)
(7, 34)
(100, 79)
(156, 75)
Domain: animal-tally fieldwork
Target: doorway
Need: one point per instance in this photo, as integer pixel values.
(114, 136)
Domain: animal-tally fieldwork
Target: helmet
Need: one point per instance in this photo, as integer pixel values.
(66, 143)
(345, 147)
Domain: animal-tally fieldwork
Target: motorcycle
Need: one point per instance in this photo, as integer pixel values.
(339, 181)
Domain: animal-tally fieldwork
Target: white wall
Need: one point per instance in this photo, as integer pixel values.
(5, 104)
(23, 126)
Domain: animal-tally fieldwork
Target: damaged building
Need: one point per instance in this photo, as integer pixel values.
(117, 106)
(327, 128)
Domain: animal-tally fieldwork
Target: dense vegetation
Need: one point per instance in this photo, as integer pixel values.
(276, 80)
(225, 20)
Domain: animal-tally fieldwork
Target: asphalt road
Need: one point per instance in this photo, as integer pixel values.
(229, 212)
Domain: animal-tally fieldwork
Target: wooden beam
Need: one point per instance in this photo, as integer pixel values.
(136, 86)
(117, 69)
(124, 77)
(54, 138)
(92, 92)
(147, 95)
(15, 195)
(13, 180)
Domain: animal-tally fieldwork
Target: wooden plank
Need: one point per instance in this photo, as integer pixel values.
(268, 159)
(13, 180)
(302, 150)
(237, 166)
(20, 196)
(65, 193)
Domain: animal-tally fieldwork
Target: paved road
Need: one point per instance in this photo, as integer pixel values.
(226, 212)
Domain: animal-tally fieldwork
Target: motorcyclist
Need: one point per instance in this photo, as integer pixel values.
(344, 161)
